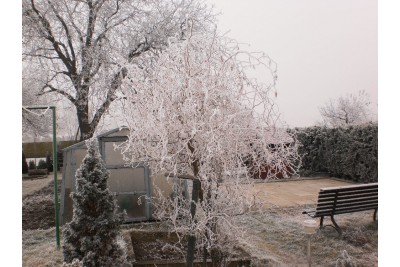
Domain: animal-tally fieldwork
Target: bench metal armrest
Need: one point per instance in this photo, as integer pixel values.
(309, 212)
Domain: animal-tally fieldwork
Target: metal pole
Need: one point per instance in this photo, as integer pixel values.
(53, 108)
(55, 169)
(309, 250)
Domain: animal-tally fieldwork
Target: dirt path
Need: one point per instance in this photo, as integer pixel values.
(31, 185)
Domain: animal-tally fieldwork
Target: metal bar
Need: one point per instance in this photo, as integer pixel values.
(309, 250)
(39, 107)
(336, 226)
(182, 176)
(55, 169)
(192, 238)
(53, 108)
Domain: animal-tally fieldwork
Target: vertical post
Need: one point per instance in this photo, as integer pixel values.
(192, 238)
(55, 165)
(309, 250)
(310, 228)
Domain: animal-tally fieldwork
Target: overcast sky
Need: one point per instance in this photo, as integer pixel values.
(324, 48)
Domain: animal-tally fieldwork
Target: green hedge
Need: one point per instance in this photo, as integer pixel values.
(350, 153)
(41, 149)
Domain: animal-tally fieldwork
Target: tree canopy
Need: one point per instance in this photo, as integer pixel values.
(79, 49)
(352, 109)
(199, 114)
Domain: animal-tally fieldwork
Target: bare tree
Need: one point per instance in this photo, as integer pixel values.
(199, 116)
(81, 46)
(34, 123)
(348, 110)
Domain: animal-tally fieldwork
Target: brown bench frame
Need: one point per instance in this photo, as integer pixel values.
(344, 199)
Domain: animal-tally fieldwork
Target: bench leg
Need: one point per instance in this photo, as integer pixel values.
(336, 226)
(375, 212)
(321, 222)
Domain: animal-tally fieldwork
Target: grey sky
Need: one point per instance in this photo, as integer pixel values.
(324, 48)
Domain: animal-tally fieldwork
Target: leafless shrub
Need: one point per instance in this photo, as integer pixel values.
(345, 260)
(358, 237)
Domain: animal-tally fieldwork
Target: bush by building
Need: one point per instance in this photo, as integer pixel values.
(49, 163)
(32, 165)
(42, 164)
(25, 166)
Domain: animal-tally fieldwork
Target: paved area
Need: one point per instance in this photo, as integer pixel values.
(293, 192)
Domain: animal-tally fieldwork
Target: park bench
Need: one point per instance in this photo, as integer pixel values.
(344, 199)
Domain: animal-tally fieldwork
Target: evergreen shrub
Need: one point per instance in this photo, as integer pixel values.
(42, 164)
(32, 165)
(25, 166)
(350, 152)
(94, 235)
(49, 163)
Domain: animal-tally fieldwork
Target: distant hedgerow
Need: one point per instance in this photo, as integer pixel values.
(350, 152)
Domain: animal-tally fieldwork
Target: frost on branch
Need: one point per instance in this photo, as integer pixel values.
(347, 110)
(79, 50)
(198, 113)
(93, 236)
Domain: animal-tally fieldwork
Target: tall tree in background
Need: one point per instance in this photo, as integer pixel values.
(347, 110)
(80, 49)
(200, 115)
(34, 122)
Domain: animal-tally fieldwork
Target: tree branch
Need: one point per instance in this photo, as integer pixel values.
(67, 33)
(116, 83)
(61, 92)
(50, 37)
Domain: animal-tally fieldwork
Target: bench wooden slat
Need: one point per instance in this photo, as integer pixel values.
(342, 211)
(340, 202)
(348, 193)
(350, 187)
(369, 206)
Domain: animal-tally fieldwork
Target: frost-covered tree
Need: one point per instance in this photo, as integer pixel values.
(199, 116)
(348, 110)
(34, 122)
(79, 48)
(94, 236)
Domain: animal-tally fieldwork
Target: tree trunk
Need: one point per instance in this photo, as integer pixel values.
(83, 120)
(192, 238)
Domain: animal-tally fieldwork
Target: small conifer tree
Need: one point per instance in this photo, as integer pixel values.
(24, 164)
(49, 163)
(94, 235)
(32, 165)
(42, 164)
